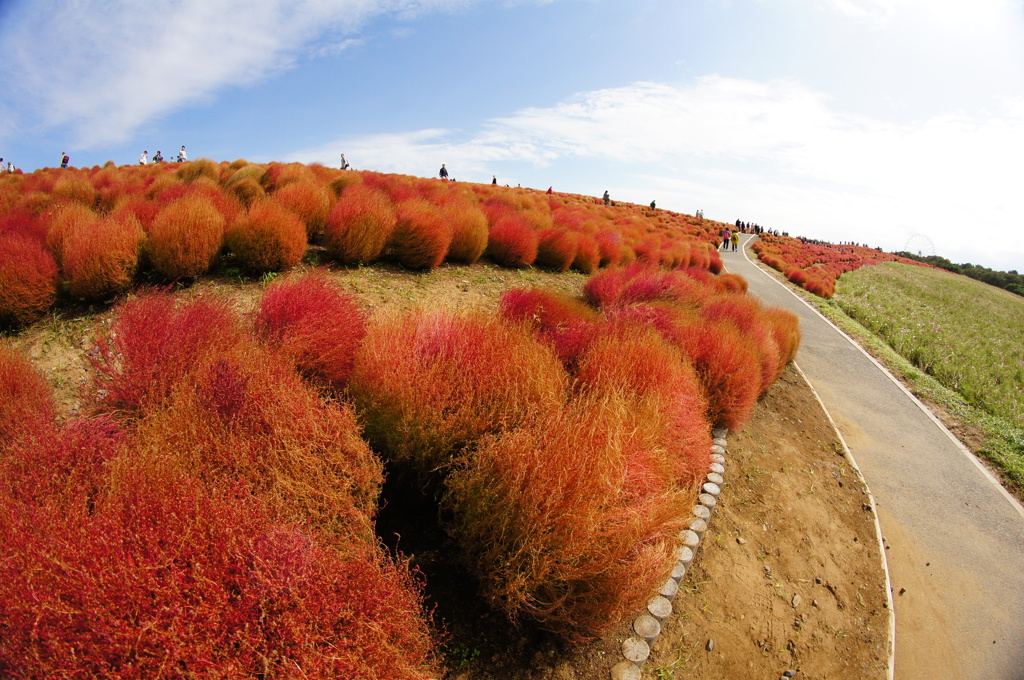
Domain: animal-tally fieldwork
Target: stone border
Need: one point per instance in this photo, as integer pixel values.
(646, 627)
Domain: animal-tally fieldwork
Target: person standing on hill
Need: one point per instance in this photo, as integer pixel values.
(144, 158)
(344, 163)
(653, 206)
(182, 156)
(606, 198)
(444, 172)
(64, 160)
(494, 180)
(158, 158)
(735, 240)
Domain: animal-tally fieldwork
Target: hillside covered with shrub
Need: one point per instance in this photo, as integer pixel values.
(211, 507)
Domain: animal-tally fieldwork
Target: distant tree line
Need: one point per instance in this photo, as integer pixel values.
(1011, 280)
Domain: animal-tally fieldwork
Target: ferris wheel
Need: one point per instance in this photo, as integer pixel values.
(920, 245)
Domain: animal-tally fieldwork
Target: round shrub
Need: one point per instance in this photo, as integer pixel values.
(269, 238)
(427, 385)
(314, 322)
(28, 280)
(421, 236)
(311, 201)
(101, 260)
(469, 231)
(512, 242)
(185, 238)
(360, 225)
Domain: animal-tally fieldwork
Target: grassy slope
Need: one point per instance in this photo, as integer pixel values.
(954, 341)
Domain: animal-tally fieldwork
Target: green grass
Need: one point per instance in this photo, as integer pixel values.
(965, 334)
(951, 340)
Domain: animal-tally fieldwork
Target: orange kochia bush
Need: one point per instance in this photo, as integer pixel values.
(269, 238)
(360, 225)
(185, 238)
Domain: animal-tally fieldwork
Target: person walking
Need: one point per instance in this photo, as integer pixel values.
(182, 156)
(653, 206)
(726, 236)
(494, 180)
(144, 158)
(344, 163)
(606, 198)
(64, 160)
(444, 172)
(735, 240)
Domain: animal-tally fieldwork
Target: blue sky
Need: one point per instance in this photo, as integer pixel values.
(876, 121)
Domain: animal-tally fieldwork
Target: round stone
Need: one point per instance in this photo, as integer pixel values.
(700, 512)
(719, 433)
(718, 468)
(669, 590)
(718, 458)
(659, 607)
(720, 441)
(626, 670)
(715, 478)
(717, 450)
(647, 627)
(712, 488)
(707, 500)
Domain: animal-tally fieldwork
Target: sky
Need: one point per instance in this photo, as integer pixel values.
(890, 123)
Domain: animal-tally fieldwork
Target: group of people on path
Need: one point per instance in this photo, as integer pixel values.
(159, 157)
(730, 238)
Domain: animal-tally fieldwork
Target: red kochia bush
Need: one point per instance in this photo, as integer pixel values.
(785, 327)
(588, 255)
(429, 384)
(153, 342)
(315, 323)
(185, 238)
(566, 520)
(360, 224)
(269, 237)
(728, 365)
(636, 359)
(100, 259)
(26, 399)
(512, 242)
(421, 236)
(746, 313)
(566, 323)
(165, 579)
(243, 414)
(556, 249)
(28, 280)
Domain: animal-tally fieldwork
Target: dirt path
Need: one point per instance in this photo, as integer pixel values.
(954, 538)
(789, 576)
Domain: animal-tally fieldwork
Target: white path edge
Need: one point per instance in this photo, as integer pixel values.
(890, 667)
(959, 445)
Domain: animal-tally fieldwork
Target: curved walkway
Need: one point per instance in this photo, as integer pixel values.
(954, 537)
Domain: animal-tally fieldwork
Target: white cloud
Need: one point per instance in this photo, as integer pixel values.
(776, 152)
(103, 67)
